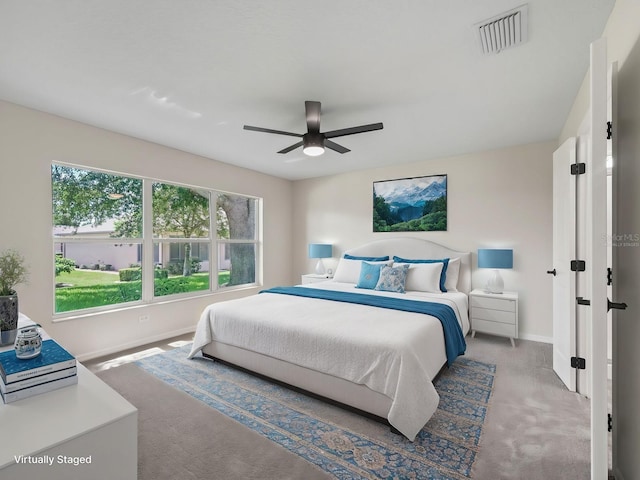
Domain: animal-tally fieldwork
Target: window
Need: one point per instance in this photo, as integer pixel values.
(109, 250)
(181, 223)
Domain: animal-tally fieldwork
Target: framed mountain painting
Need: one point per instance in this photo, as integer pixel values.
(410, 204)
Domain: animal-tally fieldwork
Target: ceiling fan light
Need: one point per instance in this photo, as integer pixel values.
(313, 144)
(313, 150)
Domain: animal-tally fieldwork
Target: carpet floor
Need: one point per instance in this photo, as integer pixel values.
(306, 438)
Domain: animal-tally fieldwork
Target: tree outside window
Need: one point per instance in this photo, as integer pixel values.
(239, 237)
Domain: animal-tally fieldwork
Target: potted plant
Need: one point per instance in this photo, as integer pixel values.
(13, 271)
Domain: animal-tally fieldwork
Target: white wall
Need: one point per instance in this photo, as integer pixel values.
(31, 140)
(500, 198)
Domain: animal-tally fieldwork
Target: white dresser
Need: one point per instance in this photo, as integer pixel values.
(67, 428)
(494, 313)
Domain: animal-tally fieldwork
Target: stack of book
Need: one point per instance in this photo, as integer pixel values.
(54, 368)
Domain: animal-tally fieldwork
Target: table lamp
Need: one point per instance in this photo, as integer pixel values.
(320, 251)
(496, 259)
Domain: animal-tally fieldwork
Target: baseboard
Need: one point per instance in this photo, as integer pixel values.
(535, 338)
(136, 343)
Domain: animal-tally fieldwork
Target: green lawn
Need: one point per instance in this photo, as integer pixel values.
(83, 278)
(90, 288)
(88, 296)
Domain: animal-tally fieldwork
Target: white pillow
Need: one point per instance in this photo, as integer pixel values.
(348, 271)
(451, 276)
(424, 277)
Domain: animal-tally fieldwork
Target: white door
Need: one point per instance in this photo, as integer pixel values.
(626, 268)
(596, 260)
(564, 251)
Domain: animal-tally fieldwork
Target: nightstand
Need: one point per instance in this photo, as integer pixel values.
(494, 313)
(313, 278)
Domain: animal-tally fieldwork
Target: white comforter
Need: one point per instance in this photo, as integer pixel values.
(391, 352)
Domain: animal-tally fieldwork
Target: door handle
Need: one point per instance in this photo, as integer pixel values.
(615, 306)
(552, 272)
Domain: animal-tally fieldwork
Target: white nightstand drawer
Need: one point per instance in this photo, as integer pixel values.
(493, 315)
(494, 328)
(314, 278)
(494, 303)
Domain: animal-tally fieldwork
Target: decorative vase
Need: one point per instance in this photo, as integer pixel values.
(8, 319)
(28, 343)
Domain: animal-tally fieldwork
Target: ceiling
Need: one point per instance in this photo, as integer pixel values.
(189, 74)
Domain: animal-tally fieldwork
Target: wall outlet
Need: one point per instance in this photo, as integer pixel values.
(143, 318)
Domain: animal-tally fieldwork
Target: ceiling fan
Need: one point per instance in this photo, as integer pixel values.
(314, 142)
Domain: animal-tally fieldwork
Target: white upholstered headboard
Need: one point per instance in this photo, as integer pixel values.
(417, 248)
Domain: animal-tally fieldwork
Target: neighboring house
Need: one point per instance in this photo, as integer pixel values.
(122, 255)
(118, 255)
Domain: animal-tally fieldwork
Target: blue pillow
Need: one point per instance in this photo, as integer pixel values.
(443, 275)
(369, 275)
(366, 259)
(392, 279)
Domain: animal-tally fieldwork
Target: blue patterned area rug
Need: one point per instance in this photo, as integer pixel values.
(446, 448)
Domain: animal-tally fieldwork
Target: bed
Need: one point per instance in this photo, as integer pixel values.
(360, 352)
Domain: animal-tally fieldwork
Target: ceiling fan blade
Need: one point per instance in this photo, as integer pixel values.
(313, 116)
(292, 147)
(268, 130)
(352, 130)
(335, 147)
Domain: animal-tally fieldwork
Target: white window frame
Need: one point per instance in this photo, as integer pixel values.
(148, 240)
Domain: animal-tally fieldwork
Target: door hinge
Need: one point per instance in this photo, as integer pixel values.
(609, 130)
(609, 422)
(583, 301)
(578, 265)
(579, 363)
(609, 276)
(578, 168)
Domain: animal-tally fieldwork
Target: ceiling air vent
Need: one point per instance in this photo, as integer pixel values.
(504, 31)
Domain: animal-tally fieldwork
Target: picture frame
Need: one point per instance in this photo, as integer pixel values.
(417, 204)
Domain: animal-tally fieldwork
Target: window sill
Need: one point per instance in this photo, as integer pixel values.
(98, 311)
